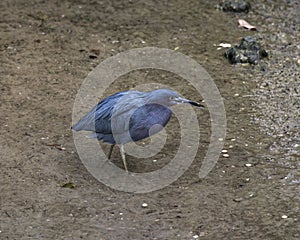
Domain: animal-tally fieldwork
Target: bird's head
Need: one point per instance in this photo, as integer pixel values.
(169, 98)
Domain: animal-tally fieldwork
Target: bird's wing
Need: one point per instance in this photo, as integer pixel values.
(98, 118)
(124, 110)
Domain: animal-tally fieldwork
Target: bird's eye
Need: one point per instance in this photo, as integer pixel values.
(172, 98)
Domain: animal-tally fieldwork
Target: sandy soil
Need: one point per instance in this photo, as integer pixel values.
(49, 47)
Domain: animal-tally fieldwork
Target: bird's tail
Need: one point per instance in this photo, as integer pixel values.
(87, 122)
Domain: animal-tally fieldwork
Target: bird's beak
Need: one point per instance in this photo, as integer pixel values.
(183, 100)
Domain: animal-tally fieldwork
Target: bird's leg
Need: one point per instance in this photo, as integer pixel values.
(110, 150)
(123, 157)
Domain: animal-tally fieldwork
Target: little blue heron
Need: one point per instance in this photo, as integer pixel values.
(130, 116)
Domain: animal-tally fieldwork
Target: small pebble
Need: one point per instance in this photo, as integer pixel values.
(248, 165)
(298, 62)
(230, 146)
(196, 236)
(144, 205)
(238, 199)
(225, 45)
(284, 216)
(224, 151)
(251, 194)
(226, 155)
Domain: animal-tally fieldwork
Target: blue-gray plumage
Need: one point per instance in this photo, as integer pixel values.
(130, 116)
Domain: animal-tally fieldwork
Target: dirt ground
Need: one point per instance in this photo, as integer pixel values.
(49, 47)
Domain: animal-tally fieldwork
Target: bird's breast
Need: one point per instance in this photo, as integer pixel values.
(148, 120)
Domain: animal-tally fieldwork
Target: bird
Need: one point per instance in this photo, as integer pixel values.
(130, 116)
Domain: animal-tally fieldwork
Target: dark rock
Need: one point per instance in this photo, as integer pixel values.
(235, 6)
(249, 51)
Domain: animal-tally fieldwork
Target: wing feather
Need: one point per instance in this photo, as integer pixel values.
(98, 118)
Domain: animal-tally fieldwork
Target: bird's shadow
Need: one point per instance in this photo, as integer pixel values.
(139, 165)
